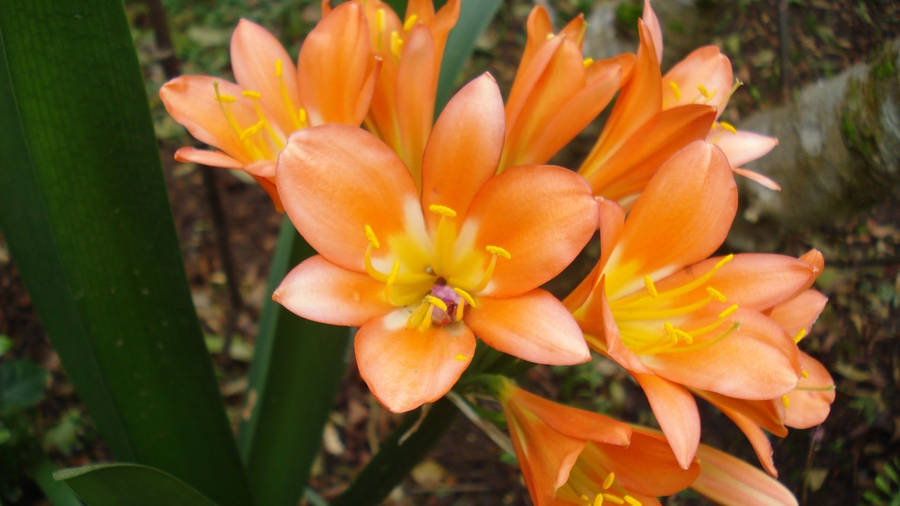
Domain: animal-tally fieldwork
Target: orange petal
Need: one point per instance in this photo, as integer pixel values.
(417, 75)
(652, 23)
(441, 24)
(767, 414)
(573, 422)
(728, 480)
(254, 56)
(406, 368)
(321, 291)
(205, 157)
(596, 318)
(647, 465)
(799, 312)
(755, 435)
(191, 101)
(468, 134)
(610, 223)
(676, 411)
(682, 217)
(742, 147)
(751, 280)
(335, 67)
(534, 327)
(539, 50)
(336, 179)
(755, 361)
(626, 171)
(810, 403)
(758, 178)
(542, 215)
(702, 77)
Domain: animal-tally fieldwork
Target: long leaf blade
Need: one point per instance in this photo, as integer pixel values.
(132, 484)
(296, 371)
(84, 209)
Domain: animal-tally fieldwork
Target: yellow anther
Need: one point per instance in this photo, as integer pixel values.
(251, 94)
(251, 130)
(461, 357)
(279, 67)
(598, 500)
(799, 335)
(426, 322)
(371, 237)
(786, 401)
(396, 43)
(434, 301)
(727, 258)
(550, 35)
(222, 97)
(410, 22)
(675, 89)
(632, 501)
(587, 62)
(705, 92)
(651, 288)
(608, 481)
(685, 336)
(728, 126)
(728, 311)
(669, 328)
(614, 499)
(442, 210)
(498, 251)
(458, 315)
(302, 118)
(719, 296)
(466, 297)
(804, 373)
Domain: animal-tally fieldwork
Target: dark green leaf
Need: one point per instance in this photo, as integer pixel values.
(474, 18)
(294, 377)
(21, 385)
(131, 484)
(84, 209)
(57, 492)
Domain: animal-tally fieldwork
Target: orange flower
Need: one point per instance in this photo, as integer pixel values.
(251, 121)
(730, 481)
(677, 322)
(639, 134)
(420, 271)
(570, 456)
(411, 51)
(556, 91)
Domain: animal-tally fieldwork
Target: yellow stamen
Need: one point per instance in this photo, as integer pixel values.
(251, 131)
(550, 36)
(498, 251)
(442, 210)
(458, 315)
(737, 84)
(786, 401)
(461, 357)
(227, 99)
(727, 312)
(415, 319)
(675, 89)
(302, 118)
(396, 44)
(685, 336)
(285, 97)
(251, 94)
(587, 62)
(278, 68)
(632, 501)
(727, 258)
(705, 92)
(799, 335)
(719, 296)
(379, 20)
(598, 500)
(614, 499)
(608, 481)
(466, 297)
(434, 301)
(426, 323)
(650, 286)
(223, 99)
(410, 22)
(371, 237)
(804, 373)
(728, 126)
(262, 118)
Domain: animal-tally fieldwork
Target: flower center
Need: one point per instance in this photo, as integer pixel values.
(261, 140)
(592, 485)
(437, 281)
(645, 318)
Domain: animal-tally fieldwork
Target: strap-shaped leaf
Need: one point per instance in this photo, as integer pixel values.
(131, 484)
(297, 367)
(84, 209)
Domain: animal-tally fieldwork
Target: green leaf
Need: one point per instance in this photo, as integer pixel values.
(474, 18)
(84, 210)
(294, 378)
(5, 344)
(131, 484)
(21, 386)
(58, 493)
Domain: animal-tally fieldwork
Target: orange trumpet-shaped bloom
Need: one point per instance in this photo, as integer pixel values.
(411, 51)
(730, 481)
(639, 134)
(556, 91)
(572, 457)
(677, 321)
(250, 122)
(421, 271)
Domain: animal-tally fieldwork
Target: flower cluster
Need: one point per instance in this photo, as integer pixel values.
(432, 233)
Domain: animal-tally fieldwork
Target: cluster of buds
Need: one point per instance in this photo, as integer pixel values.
(432, 233)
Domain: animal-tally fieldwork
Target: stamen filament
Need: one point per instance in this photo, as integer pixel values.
(223, 99)
(648, 282)
(466, 297)
(410, 22)
(729, 311)
(285, 97)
